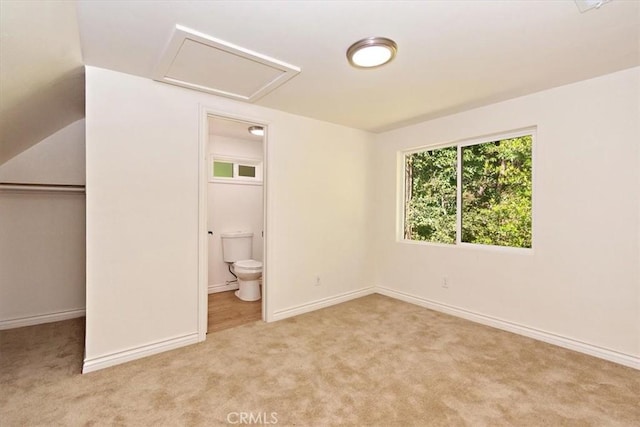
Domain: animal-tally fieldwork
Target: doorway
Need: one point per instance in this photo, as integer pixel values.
(234, 198)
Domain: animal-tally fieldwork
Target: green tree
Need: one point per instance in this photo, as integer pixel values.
(430, 208)
(496, 194)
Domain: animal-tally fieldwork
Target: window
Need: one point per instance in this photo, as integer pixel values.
(235, 170)
(222, 169)
(247, 171)
(477, 192)
(431, 192)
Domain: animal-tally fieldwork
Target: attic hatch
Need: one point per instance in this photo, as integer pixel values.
(197, 61)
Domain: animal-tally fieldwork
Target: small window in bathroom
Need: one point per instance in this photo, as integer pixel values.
(235, 170)
(223, 169)
(247, 171)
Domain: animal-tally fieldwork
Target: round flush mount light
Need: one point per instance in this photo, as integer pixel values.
(371, 52)
(256, 130)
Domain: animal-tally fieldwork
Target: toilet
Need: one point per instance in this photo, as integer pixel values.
(237, 249)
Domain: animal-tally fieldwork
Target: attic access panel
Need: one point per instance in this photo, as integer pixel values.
(197, 61)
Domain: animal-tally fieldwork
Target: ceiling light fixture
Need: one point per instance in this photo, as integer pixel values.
(371, 52)
(256, 130)
(585, 5)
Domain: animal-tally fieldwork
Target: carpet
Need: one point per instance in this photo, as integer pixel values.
(374, 361)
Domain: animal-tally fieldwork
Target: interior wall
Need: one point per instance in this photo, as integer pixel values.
(142, 211)
(232, 207)
(57, 159)
(42, 234)
(581, 281)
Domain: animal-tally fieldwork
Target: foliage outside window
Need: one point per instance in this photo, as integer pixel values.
(431, 191)
(471, 193)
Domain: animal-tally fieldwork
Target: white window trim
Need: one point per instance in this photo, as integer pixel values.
(236, 161)
(401, 161)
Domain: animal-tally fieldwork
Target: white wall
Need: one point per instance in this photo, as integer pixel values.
(233, 207)
(142, 212)
(58, 159)
(42, 234)
(582, 280)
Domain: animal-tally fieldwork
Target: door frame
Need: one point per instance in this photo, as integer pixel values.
(203, 241)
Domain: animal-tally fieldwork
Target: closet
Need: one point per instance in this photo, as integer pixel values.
(42, 253)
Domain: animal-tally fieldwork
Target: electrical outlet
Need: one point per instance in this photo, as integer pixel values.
(445, 282)
(317, 280)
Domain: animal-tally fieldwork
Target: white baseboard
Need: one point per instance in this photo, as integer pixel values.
(322, 303)
(41, 318)
(102, 362)
(537, 334)
(222, 287)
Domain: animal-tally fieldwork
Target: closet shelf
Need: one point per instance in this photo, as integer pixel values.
(56, 188)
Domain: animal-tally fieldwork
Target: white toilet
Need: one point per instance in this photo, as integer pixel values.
(237, 248)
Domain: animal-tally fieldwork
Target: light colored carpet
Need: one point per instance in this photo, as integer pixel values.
(373, 361)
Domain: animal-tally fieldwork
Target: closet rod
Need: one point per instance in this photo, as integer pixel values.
(31, 184)
(41, 187)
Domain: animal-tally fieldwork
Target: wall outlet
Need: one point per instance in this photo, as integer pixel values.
(445, 282)
(317, 280)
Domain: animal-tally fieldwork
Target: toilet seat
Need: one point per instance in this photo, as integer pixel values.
(248, 264)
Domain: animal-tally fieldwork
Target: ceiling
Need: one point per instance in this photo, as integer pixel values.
(452, 55)
(231, 129)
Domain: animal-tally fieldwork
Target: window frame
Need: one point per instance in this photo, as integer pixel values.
(237, 162)
(460, 144)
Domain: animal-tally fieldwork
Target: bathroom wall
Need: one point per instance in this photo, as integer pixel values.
(580, 285)
(232, 207)
(42, 233)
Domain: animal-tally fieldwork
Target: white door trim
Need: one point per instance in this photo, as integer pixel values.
(203, 247)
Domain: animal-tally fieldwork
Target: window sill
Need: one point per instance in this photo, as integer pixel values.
(471, 246)
(235, 181)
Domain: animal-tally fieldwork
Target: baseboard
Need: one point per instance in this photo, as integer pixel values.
(41, 318)
(222, 287)
(97, 363)
(322, 303)
(548, 337)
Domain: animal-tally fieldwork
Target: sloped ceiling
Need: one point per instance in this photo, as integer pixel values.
(452, 55)
(41, 72)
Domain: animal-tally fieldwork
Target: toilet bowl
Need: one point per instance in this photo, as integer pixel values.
(237, 252)
(249, 272)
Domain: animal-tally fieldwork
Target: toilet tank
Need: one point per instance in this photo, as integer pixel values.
(237, 245)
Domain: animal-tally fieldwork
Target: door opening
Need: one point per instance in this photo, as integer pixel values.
(234, 181)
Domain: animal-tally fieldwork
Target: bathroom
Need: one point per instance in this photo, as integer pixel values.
(234, 204)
